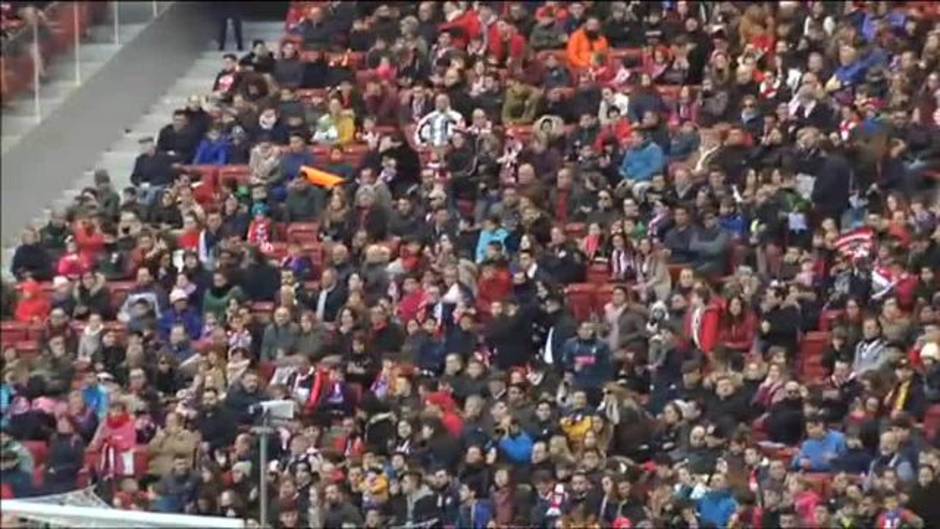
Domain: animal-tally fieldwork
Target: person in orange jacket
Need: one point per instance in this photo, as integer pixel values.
(585, 43)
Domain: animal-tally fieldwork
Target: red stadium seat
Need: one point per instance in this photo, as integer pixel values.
(580, 298)
(813, 345)
(276, 250)
(27, 348)
(303, 232)
(932, 422)
(827, 318)
(262, 310)
(266, 370)
(237, 174)
(598, 274)
(576, 230)
(119, 291)
(12, 332)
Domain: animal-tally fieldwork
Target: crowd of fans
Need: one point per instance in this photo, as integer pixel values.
(593, 264)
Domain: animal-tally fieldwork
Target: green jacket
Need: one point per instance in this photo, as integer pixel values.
(216, 302)
(520, 105)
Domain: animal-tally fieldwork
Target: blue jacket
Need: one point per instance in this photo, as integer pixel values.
(476, 517)
(736, 225)
(190, 319)
(593, 356)
(486, 237)
(517, 449)
(820, 452)
(291, 162)
(213, 152)
(640, 164)
(97, 399)
(716, 507)
(6, 398)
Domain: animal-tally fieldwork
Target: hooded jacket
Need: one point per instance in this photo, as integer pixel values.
(641, 163)
(34, 304)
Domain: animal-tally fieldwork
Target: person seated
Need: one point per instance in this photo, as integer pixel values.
(821, 447)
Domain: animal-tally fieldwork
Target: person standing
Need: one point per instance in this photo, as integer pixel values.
(226, 11)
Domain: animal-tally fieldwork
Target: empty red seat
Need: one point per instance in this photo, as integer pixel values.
(576, 230)
(27, 348)
(580, 298)
(262, 311)
(827, 319)
(818, 481)
(302, 232)
(598, 274)
(266, 370)
(932, 422)
(674, 270)
(234, 174)
(813, 345)
(119, 291)
(12, 332)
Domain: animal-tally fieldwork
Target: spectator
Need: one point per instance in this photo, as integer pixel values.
(437, 127)
(820, 448)
(171, 442)
(642, 160)
(33, 305)
(213, 150)
(31, 259)
(585, 44)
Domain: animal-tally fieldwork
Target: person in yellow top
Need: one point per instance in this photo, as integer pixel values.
(337, 126)
(585, 43)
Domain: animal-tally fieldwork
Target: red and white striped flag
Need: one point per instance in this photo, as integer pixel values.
(857, 243)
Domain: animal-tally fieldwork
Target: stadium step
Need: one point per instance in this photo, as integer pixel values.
(96, 49)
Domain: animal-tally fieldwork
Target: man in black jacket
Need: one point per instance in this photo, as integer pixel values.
(780, 321)
(153, 170)
(179, 139)
(329, 298)
(243, 399)
(214, 422)
(509, 334)
(556, 326)
(833, 181)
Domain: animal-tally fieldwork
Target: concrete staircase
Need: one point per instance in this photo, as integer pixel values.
(66, 72)
(119, 159)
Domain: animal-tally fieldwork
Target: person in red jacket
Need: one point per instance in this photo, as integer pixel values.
(73, 264)
(702, 321)
(116, 438)
(33, 305)
(738, 326)
(443, 405)
(89, 238)
(505, 42)
(463, 25)
(495, 285)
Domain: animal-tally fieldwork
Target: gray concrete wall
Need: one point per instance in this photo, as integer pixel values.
(46, 162)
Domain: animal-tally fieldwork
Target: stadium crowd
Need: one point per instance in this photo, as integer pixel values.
(592, 264)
